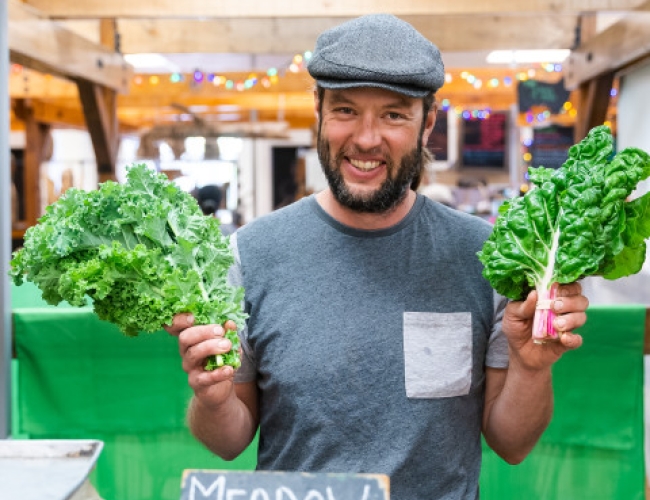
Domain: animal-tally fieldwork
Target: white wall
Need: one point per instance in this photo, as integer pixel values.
(256, 171)
(633, 131)
(633, 113)
(72, 156)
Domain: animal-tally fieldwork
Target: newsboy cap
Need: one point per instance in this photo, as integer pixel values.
(377, 50)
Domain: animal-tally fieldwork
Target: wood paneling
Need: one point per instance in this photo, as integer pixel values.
(317, 8)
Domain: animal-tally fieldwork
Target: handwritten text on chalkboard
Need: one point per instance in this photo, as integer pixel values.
(257, 485)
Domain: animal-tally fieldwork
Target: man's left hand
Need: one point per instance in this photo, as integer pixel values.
(570, 307)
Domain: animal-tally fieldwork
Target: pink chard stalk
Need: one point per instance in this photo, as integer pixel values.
(543, 328)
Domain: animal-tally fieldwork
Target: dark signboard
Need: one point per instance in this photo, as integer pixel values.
(484, 141)
(550, 95)
(550, 146)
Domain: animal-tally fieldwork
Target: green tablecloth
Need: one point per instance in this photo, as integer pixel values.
(594, 447)
(81, 378)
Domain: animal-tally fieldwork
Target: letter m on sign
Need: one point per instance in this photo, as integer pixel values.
(197, 487)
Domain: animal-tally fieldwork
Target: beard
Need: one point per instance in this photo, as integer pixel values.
(391, 192)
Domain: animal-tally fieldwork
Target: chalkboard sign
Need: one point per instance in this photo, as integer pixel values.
(260, 485)
(550, 146)
(438, 142)
(550, 95)
(484, 142)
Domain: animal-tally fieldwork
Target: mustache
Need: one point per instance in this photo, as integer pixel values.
(376, 153)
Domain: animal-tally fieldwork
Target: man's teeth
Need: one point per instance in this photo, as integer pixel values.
(365, 165)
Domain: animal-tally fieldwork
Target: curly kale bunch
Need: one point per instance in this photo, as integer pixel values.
(142, 251)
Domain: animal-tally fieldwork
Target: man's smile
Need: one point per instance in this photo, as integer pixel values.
(365, 166)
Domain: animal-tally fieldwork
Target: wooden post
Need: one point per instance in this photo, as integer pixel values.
(99, 106)
(100, 109)
(593, 103)
(36, 138)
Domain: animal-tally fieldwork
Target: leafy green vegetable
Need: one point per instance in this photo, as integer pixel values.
(575, 222)
(142, 251)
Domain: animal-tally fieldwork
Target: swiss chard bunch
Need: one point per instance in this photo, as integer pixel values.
(577, 221)
(142, 251)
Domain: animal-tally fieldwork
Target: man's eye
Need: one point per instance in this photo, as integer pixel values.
(344, 110)
(395, 116)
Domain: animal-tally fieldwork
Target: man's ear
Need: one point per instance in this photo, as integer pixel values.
(430, 123)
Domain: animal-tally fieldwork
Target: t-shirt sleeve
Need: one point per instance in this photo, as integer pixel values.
(247, 372)
(497, 352)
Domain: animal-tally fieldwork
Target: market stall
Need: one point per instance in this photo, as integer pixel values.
(79, 377)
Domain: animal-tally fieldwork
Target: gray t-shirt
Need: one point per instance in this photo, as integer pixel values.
(369, 348)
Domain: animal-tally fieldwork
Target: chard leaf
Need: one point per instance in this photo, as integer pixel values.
(637, 213)
(575, 222)
(627, 262)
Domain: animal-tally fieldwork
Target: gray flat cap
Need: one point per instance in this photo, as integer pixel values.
(377, 50)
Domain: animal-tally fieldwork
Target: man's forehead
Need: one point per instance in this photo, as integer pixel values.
(355, 94)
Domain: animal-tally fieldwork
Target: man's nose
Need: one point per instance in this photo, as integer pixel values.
(367, 135)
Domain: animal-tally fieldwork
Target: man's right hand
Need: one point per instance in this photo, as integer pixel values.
(196, 343)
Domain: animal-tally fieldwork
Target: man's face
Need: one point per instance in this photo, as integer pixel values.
(369, 145)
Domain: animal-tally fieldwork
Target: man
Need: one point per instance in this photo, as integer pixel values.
(373, 343)
(209, 198)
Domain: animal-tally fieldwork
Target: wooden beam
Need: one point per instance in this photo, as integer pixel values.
(108, 34)
(620, 45)
(593, 104)
(323, 8)
(99, 105)
(54, 115)
(296, 35)
(28, 84)
(39, 43)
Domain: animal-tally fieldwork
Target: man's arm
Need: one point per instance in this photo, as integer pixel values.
(518, 408)
(229, 428)
(519, 399)
(222, 415)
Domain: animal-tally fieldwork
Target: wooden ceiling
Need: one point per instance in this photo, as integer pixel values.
(53, 43)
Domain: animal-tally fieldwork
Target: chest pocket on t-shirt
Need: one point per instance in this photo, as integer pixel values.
(437, 354)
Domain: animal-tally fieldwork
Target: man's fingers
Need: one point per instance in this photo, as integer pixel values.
(180, 323)
(202, 380)
(571, 309)
(525, 309)
(195, 335)
(197, 343)
(571, 340)
(569, 322)
(569, 289)
(195, 355)
(570, 303)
